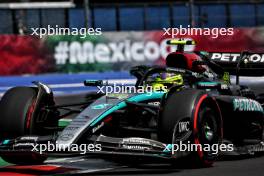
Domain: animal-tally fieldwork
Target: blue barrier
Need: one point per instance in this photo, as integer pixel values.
(61, 83)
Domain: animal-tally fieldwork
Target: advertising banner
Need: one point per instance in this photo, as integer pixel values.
(113, 51)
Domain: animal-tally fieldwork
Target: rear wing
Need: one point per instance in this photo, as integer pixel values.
(253, 65)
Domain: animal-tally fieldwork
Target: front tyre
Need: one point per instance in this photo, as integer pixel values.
(19, 112)
(16, 108)
(207, 131)
(191, 117)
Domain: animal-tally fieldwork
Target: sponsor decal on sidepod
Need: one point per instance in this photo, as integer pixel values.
(243, 104)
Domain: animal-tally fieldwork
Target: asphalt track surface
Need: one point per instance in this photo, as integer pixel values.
(245, 167)
(242, 167)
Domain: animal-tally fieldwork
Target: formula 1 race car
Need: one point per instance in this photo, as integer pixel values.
(190, 101)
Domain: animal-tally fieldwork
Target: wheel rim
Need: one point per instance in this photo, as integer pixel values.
(209, 128)
(208, 131)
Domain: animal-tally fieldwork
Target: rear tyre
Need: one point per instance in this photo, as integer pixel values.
(18, 117)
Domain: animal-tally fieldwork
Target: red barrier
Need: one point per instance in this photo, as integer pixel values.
(24, 54)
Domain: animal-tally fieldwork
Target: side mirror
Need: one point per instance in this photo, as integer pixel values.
(93, 82)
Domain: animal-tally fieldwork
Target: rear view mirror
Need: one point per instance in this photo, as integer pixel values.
(93, 82)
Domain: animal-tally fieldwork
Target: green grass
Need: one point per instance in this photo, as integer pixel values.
(3, 163)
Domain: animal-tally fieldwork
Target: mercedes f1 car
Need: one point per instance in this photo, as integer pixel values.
(193, 103)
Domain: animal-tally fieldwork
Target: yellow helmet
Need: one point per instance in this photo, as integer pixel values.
(165, 83)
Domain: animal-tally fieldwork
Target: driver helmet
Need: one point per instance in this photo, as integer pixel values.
(164, 81)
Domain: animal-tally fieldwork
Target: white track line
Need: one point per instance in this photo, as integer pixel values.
(75, 85)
